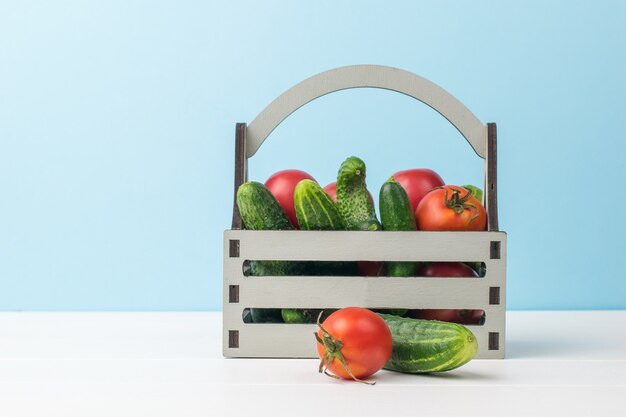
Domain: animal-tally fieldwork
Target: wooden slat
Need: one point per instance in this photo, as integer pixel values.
(367, 246)
(374, 292)
(297, 341)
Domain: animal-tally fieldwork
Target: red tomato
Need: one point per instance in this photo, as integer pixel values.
(450, 208)
(370, 268)
(449, 270)
(331, 190)
(417, 183)
(445, 269)
(360, 336)
(281, 185)
(473, 316)
(450, 316)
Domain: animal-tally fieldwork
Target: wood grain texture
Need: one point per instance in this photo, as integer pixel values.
(368, 76)
(491, 178)
(241, 170)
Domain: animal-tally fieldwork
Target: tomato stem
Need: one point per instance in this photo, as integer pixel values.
(459, 204)
(333, 347)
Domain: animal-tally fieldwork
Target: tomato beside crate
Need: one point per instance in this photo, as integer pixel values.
(488, 247)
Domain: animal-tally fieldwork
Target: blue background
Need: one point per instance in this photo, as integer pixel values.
(117, 127)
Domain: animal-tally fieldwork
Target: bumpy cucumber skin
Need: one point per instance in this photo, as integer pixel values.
(400, 269)
(277, 268)
(396, 214)
(425, 346)
(260, 210)
(395, 208)
(315, 210)
(353, 198)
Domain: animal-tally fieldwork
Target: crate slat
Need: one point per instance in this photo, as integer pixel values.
(297, 341)
(336, 292)
(364, 246)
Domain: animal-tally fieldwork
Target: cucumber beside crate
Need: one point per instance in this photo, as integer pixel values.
(241, 292)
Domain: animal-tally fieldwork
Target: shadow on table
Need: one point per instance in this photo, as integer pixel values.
(454, 375)
(544, 349)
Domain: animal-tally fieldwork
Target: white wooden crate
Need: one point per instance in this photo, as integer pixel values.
(241, 292)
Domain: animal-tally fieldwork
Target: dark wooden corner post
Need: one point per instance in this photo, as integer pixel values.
(491, 187)
(241, 170)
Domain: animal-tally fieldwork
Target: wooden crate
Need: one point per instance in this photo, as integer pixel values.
(241, 339)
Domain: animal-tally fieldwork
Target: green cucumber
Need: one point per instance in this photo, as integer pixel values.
(369, 225)
(315, 210)
(353, 199)
(393, 311)
(395, 208)
(276, 268)
(304, 315)
(424, 346)
(396, 214)
(260, 210)
(373, 225)
(266, 315)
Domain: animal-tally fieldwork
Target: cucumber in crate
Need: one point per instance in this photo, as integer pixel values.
(260, 210)
(353, 200)
(315, 210)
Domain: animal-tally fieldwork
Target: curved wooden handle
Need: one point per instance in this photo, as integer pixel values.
(367, 76)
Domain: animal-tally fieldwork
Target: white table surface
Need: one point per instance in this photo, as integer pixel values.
(170, 364)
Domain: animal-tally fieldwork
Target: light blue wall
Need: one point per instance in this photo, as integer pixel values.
(117, 126)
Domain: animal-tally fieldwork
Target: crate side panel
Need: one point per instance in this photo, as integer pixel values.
(251, 336)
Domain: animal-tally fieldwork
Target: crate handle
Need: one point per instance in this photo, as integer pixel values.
(481, 137)
(367, 76)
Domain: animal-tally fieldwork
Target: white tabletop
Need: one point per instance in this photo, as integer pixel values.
(170, 364)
